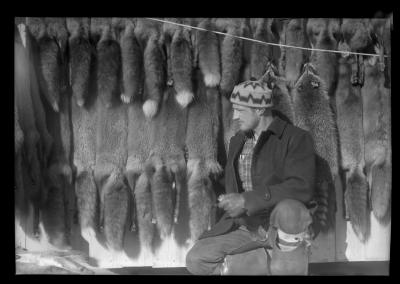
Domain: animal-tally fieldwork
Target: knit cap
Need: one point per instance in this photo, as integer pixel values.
(252, 94)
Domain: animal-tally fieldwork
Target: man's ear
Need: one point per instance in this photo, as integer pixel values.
(260, 111)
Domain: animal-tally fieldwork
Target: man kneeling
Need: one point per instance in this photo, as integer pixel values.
(269, 176)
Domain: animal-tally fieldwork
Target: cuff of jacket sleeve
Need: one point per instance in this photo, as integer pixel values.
(255, 201)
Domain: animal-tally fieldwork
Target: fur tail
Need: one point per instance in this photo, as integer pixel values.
(87, 202)
(108, 53)
(181, 67)
(50, 71)
(209, 61)
(54, 216)
(260, 54)
(356, 196)
(115, 197)
(80, 60)
(143, 201)
(161, 188)
(200, 199)
(131, 65)
(231, 52)
(154, 77)
(381, 191)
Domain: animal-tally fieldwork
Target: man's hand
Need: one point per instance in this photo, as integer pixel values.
(233, 203)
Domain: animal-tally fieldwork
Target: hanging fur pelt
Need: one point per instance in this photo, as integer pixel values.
(138, 152)
(364, 35)
(177, 41)
(19, 135)
(262, 54)
(231, 50)
(282, 104)
(166, 166)
(84, 158)
(208, 54)
(132, 59)
(32, 173)
(148, 34)
(201, 141)
(313, 113)
(324, 34)
(349, 122)
(108, 60)
(46, 139)
(376, 113)
(46, 35)
(111, 156)
(292, 32)
(80, 56)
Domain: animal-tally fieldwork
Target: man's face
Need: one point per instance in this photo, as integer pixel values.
(247, 117)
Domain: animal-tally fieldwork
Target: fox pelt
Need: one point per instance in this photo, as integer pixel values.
(166, 165)
(208, 54)
(138, 152)
(350, 125)
(111, 156)
(47, 33)
(231, 50)
(58, 174)
(132, 59)
(202, 145)
(108, 60)
(262, 30)
(178, 45)
(377, 124)
(148, 34)
(31, 179)
(46, 139)
(292, 32)
(313, 113)
(80, 56)
(84, 158)
(324, 34)
(27, 120)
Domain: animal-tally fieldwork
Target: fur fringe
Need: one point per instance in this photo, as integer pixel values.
(356, 196)
(80, 54)
(209, 60)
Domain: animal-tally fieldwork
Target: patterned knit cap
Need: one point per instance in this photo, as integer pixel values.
(252, 94)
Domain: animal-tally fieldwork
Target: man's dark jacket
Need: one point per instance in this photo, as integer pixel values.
(283, 166)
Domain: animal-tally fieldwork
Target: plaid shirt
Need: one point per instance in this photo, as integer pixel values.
(244, 165)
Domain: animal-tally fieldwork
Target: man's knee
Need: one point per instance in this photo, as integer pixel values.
(196, 263)
(291, 216)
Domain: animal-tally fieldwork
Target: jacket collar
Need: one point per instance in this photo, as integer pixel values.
(277, 127)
